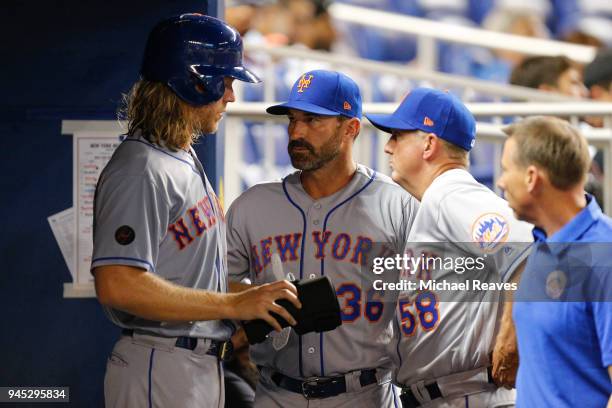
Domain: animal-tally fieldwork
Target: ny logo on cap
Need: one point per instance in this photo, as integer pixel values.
(304, 82)
(428, 122)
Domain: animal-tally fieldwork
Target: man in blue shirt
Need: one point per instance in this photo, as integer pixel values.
(563, 307)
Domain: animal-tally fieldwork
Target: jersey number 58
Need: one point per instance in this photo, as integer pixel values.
(425, 307)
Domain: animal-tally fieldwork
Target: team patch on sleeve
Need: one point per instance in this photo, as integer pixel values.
(489, 230)
(125, 235)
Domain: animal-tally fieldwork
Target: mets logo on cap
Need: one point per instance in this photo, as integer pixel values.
(489, 230)
(304, 82)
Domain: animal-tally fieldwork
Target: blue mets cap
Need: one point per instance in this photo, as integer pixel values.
(431, 111)
(322, 92)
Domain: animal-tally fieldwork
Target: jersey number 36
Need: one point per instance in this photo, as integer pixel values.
(352, 305)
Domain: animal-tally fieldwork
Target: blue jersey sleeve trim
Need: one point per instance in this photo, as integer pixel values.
(301, 260)
(355, 194)
(123, 258)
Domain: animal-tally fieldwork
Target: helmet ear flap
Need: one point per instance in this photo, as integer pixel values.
(214, 86)
(197, 91)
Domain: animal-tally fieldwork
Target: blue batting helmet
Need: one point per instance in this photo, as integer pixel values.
(193, 49)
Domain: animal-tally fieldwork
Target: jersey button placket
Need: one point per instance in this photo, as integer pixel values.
(316, 213)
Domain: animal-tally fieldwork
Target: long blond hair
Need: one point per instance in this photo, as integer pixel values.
(161, 116)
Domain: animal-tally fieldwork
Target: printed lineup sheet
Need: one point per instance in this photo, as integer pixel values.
(91, 153)
(93, 143)
(62, 226)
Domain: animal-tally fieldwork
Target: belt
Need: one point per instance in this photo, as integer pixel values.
(221, 349)
(321, 387)
(409, 400)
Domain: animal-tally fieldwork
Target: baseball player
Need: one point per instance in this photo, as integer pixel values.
(159, 258)
(446, 331)
(330, 218)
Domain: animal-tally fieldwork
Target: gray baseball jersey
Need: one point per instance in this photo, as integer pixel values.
(156, 210)
(452, 330)
(335, 236)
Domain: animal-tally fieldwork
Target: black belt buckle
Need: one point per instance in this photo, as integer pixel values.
(317, 387)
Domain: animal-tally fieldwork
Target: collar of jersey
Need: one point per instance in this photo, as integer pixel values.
(355, 183)
(181, 155)
(441, 177)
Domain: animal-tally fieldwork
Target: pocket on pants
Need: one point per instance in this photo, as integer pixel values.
(116, 359)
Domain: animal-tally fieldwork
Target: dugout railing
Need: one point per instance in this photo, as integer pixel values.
(267, 60)
(369, 146)
(428, 33)
(268, 57)
(268, 138)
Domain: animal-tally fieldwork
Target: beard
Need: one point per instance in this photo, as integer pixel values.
(205, 119)
(207, 123)
(311, 159)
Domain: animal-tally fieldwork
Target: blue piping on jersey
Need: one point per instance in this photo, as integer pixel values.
(393, 389)
(399, 334)
(152, 146)
(150, 379)
(336, 207)
(203, 177)
(323, 258)
(301, 260)
(217, 260)
(205, 183)
(196, 171)
(125, 258)
(467, 401)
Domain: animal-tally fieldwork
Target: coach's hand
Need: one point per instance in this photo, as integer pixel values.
(505, 363)
(260, 301)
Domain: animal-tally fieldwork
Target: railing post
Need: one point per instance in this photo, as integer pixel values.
(427, 53)
(233, 160)
(498, 148)
(270, 80)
